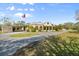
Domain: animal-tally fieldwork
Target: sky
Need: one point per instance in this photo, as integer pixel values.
(55, 13)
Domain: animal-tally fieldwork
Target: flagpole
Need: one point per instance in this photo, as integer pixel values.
(23, 19)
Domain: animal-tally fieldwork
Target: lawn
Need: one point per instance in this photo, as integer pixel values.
(66, 44)
(1, 32)
(69, 36)
(20, 35)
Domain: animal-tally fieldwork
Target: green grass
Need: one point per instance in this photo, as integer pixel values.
(66, 44)
(1, 32)
(20, 35)
(68, 35)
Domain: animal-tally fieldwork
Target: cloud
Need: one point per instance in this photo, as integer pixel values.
(11, 8)
(24, 3)
(18, 14)
(28, 3)
(31, 3)
(19, 9)
(28, 15)
(21, 14)
(26, 9)
(31, 9)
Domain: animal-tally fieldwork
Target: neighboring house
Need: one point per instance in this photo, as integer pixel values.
(6, 28)
(31, 27)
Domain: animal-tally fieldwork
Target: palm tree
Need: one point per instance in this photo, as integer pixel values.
(20, 23)
(6, 21)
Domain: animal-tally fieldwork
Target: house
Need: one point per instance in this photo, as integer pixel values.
(6, 28)
(18, 28)
(41, 26)
(31, 27)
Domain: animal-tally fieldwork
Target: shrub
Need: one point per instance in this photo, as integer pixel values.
(33, 30)
(54, 45)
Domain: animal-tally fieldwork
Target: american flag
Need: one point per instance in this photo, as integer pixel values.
(23, 16)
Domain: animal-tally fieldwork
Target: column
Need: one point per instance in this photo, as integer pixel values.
(48, 28)
(42, 28)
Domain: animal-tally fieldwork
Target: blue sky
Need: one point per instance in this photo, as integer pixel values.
(40, 12)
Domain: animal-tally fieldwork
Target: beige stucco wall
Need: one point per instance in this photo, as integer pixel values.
(6, 28)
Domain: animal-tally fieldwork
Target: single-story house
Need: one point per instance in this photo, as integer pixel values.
(29, 27)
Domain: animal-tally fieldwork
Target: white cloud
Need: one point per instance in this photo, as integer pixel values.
(31, 9)
(21, 14)
(28, 15)
(24, 3)
(31, 3)
(26, 9)
(18, 14)
(28, 3)
(11, 8)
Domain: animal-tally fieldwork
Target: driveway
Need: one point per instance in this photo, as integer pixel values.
(9, 45)
(6, 36)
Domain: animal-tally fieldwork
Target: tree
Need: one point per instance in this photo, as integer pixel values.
(31, 28)
(68, 25)
(0, 27)
(6, 21)
(77, 18)
(76, 26)
(20, 23)
(58, 27)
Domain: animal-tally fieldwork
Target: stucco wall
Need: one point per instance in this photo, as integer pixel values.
(6, 28)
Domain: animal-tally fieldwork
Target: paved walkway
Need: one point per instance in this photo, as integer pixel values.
(9, 46)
